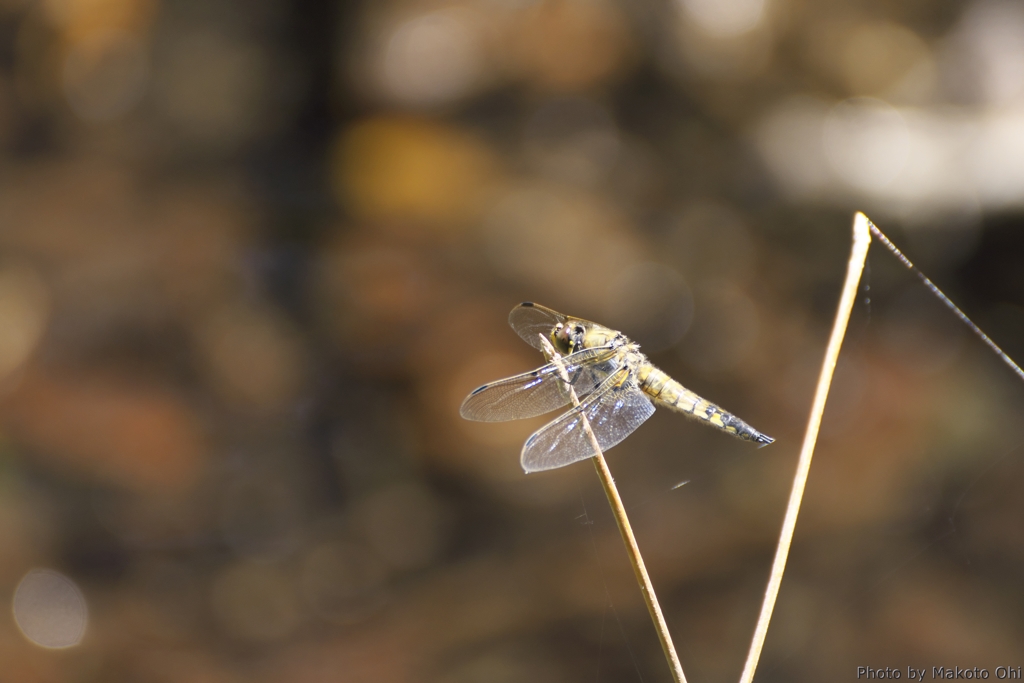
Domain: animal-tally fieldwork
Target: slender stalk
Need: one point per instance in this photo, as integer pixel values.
(861, 242)
(945, 299)
(619, 510)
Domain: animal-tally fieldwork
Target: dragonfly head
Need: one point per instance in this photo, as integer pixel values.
(568, 337)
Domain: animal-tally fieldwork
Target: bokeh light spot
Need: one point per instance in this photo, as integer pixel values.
(725, 18)
(789, 137)
(50, 609)
(986, 53)
(569, 45)
(24, 309)
(878, 55)
(867, 143)
(404, 169)
(93, 20)
(432, 58)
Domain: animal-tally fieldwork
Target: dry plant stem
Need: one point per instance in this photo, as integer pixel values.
(638, 568)
(861, 242)
(945, 299)
(619, 510)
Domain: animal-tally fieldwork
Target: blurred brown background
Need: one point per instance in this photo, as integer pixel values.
(254, 254)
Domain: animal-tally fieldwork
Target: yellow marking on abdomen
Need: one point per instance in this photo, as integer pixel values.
(667, 392)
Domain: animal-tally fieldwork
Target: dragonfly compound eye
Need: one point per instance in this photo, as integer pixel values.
(562, 338)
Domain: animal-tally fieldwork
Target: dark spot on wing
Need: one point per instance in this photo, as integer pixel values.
(479, 389)
(527, 304)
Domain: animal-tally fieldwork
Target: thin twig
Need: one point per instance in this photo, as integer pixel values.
(619, 510)
(861, 242)
(945, 299)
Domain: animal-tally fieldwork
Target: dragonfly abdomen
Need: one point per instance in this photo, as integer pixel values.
(667, 392)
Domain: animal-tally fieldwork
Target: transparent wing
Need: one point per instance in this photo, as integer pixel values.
(530, 320)
(614, 410)
(540, 391)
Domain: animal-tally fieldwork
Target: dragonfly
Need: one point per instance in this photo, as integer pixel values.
(616, 387)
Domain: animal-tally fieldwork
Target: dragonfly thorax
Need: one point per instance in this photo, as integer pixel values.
(575, 335)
